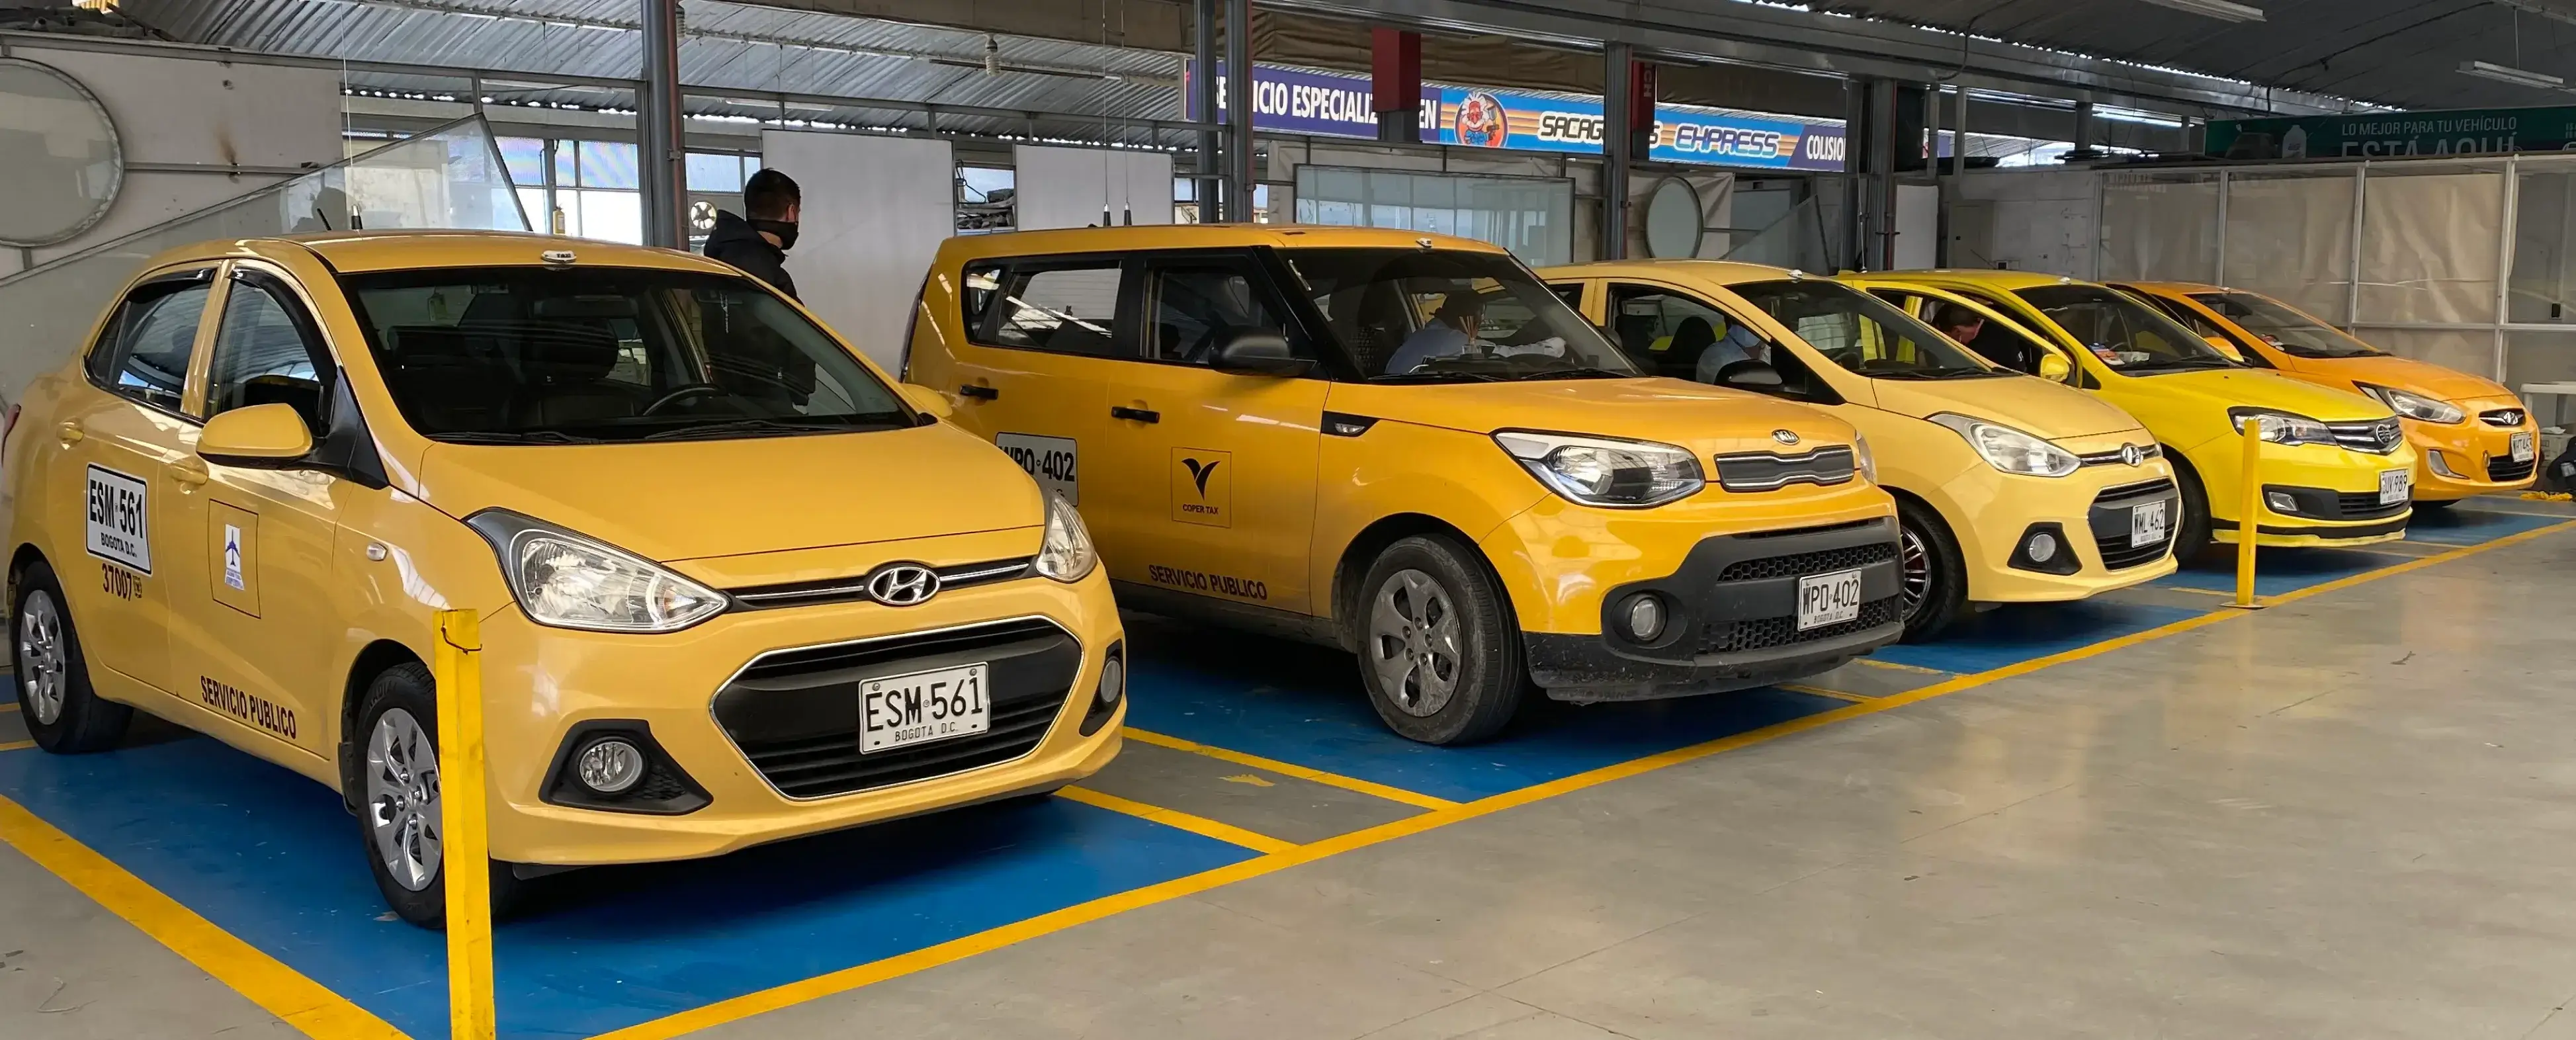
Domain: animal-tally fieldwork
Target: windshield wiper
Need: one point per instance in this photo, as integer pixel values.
(1436, 377)
(1953, 372)
(739, 426)
(2179, 364)
(512, 437)
(1575, 373)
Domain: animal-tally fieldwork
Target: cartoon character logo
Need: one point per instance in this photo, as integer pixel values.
(1482, 122)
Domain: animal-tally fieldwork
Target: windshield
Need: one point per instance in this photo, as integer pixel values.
(1435, 315)
(1862, 333)
(2281, 326)
(573, 355)
(2125, 334)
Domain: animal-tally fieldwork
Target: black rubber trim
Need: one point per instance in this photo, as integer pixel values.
(679, 794)
(2065, 562)
(2328, 533)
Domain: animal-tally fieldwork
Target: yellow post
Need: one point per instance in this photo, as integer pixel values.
(467, 852)
(2249, 512)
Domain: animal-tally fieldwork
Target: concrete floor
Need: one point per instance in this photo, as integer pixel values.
(2350, 816)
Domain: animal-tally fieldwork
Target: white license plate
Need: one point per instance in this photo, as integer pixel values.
(2395, 485)
(2522, 450)
(2147, 523)
(1828, 599)
(903, 710)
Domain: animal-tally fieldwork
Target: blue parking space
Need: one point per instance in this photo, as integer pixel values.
(2277, 571)
(272, 858)
(2015, 633)
(2464, 524)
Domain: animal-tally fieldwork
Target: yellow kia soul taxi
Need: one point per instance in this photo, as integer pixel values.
(734, 586)
(2471, 434)
(1405, 445)
(2008, 488)
(2336, 469)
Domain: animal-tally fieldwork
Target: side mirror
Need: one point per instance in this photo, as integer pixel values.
(2054, 368)
(927, 400)
(1253, 352)
(262, 436)
(1756, 376)
(2226, 346)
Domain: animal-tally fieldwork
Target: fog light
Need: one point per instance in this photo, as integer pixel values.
(2440, 465)
(2282, 503)
(1113, 682)
(2042, 548)
(1645, 619)
(610, 765)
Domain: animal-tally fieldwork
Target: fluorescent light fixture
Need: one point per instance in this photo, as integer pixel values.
(2219, 9)
(2509, 74)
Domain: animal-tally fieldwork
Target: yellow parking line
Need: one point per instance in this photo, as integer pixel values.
(282, 991)
(8, 706)
(1199, 825)
(17, 745)
(1822, 692)
(1392, 794)
(1895, 667)
(2222, 593)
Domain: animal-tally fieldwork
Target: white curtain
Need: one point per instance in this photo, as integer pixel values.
(875, 210)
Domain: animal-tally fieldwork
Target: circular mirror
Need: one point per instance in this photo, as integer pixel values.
(1673, 221)
(58, 155)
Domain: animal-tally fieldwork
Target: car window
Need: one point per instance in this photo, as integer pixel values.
(1678, 335)
(1192, 308)
(262, 356)
(145, 352)
(2285, 327)
(1421, 314)
(553, 355)
(2201, 326)
(1064, 308)
(1862, 333)
(1572, 295)
(2125, 334)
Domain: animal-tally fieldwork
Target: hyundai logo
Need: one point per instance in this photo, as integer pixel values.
(903, 584)
(2130, 454)
(1785, 436)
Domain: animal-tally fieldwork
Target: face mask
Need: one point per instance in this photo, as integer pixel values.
(784, 229)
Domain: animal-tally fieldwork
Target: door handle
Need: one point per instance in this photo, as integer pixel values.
(1143, 415)
(980, 393)
(190, 471)
(70, 432)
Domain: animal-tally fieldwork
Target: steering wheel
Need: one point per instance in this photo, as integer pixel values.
(685, 392)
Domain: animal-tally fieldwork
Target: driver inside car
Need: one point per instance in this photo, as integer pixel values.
(1741, 344)
(1450, 332)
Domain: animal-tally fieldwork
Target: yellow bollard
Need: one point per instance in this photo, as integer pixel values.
(2249, 524)
(459, 671)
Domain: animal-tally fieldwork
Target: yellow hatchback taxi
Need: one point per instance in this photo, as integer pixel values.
(2008, 489)
(733, 585)
(2336, 469)
(2471, 434)
(1406, 446)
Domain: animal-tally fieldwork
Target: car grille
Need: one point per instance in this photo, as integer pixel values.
(2364, 505)
(852, 590)
(2503, 470)
(1763, 471)
(2378, 436)
(795, 713)
(2105, 458)
(1736, 637)
(2502, 417)
(2110, 522)
(1824, 561)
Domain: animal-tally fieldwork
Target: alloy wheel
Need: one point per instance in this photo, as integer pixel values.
(402, 799)
(44, 667)
(1914, 567)
(1414, 643)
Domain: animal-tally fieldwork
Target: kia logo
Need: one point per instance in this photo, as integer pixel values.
(2130, 454)
(903, 584)
(1785, 436)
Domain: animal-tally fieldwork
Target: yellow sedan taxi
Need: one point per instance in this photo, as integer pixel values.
(733, 585)
(2336, 469)
(1406, 446)
(2008, 488)
(2471, 434)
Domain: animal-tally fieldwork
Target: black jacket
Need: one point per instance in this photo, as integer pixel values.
(735, 242)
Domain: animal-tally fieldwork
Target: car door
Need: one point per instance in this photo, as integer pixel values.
(123, 436)
(250, 550)
(1213, 492)
(1040, 334)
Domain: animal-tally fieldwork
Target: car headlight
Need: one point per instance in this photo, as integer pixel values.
(2282, 427)
(1065, 554)
(2415, 406)
(1606, 471)
(2011, 450)
(1867, 460)
(567, 580)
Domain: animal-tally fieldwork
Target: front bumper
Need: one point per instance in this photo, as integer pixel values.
(2090, 510)
(1731, 610)
(2476, 455)
(2315, 474)
(729, 701)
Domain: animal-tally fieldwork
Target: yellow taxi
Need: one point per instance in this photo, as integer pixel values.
(2471, 434)
(2009, 489)
(734, 585)
(2336, 469)
(1406, 446)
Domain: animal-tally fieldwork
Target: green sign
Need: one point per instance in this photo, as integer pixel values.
(2372, 135)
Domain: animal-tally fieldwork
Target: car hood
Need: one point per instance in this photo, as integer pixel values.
(2257, 389)
(1706, 419)
(671, 501)
(2050, 411)
(2422, 377)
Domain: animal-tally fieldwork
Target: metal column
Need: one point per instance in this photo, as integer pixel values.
(1617, 97)
(2084, 130)
(1210, 179)
(664, 176)
(1239, 173)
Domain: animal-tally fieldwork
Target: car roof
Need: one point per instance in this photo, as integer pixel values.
(2175, 288)
(1997, 279)
(1200, 236)
(352, 252)
(1722, 272)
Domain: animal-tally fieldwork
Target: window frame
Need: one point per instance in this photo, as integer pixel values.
(1819, 389)
(1121, 337)
(1138, 282)
(164, 283)
(299, 313)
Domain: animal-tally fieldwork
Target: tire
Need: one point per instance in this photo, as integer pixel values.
(396, 792)
(1928, 558)
(2434, 505)
(2191, 536)
(63, 713)
(1439, 651)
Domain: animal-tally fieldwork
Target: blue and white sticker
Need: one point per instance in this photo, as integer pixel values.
(119, 519)
(232, 557)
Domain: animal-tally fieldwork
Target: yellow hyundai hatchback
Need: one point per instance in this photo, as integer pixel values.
(734, 585)
(2008, 488)
(1406, 446)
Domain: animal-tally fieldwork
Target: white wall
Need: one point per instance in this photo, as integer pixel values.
(1918, 226)
(2043, 220)
(875, 211)
(1073, 187)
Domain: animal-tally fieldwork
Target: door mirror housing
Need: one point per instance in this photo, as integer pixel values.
(927, 400)
(2054, 368)
(1756, 376)
(2226, 346)
(262, 436)
(1256, 352)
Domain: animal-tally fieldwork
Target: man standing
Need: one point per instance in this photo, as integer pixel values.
(759, 245)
